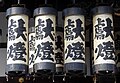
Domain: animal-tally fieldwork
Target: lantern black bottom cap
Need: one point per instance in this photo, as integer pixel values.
(103, 69)
(44, 68)
(16, 70)
(74, 68)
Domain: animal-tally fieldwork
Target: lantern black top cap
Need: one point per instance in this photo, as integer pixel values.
(17, 10)
(73, 11)
(102, 10)
(44, 11)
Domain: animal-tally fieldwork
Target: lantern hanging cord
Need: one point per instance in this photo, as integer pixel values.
(45, 1)
(74, 1)
(18, 1)
(102, 1)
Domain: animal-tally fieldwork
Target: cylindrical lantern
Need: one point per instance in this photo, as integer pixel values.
(74, 40)
(103, 37)
(17, 45)
(59, 49)
(31, 48)
(45, 23)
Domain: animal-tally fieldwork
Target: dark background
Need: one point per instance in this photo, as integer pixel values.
(60, 5)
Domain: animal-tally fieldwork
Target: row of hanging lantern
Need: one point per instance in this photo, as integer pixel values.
(46, 54)
(103, 40)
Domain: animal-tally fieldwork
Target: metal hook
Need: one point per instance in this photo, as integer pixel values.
(7, 78)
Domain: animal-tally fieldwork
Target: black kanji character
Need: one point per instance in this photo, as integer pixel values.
(32, 44)
(78, 29)
(39, 32)
(59, 58)
(106, 51)
(47, 50)
(31, 59)
(59, 43)
(48, 29)
(99, 30)
(38, 51)
(76, 51)
(68, 30)
(11, 30)
(109, 50)
(40, 23)
(10, 52)
(20, 29)
(69, 54)
(100, 50)
(20, 51)
(108, 29)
